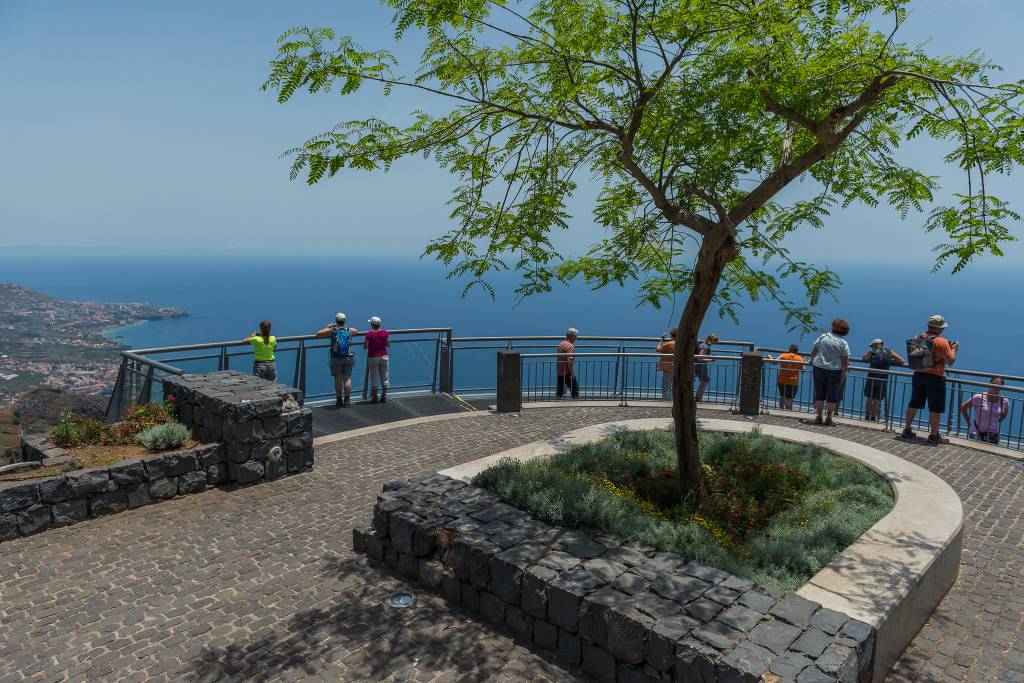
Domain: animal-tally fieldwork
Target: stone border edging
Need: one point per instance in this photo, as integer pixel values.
(892, 577)
(374, 429)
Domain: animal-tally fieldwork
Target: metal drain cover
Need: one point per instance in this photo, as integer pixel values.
(400, 600)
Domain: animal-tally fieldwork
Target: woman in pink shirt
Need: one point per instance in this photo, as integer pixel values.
(990, 409)
(376, 343)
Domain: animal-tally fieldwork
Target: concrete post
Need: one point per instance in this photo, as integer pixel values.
(751, 370)
(510, 382)
(446, 373)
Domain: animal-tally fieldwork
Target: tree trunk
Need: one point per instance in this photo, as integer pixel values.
(717, 249)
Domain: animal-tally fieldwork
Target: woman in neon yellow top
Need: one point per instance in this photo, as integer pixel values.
(263, 345)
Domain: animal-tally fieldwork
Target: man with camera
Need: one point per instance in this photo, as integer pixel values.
(929, 356)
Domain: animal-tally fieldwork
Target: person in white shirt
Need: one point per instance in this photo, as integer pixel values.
(830, 361)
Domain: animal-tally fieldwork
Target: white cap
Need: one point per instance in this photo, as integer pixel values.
(878, 342)
(375, 320)
(572, 332)
(340, 318)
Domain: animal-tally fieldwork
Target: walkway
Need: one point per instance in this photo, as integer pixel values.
(261, 583)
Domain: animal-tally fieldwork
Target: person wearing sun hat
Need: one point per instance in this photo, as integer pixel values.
(376, 343)
(929, 383)
(565, 370)
(875, 388)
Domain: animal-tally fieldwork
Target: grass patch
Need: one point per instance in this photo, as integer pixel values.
(773, 512)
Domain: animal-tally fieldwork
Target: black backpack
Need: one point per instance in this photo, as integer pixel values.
(921, 352)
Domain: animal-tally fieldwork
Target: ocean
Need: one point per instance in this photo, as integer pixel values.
(228, 295)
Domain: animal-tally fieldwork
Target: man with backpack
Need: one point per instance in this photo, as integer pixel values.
(342, 358)
(928, 355)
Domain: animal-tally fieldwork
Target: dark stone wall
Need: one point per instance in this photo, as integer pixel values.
(621, 611)
(253, 431)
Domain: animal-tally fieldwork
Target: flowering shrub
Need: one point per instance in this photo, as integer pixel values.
(72, 430)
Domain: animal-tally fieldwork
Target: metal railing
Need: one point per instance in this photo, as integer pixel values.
(623, 377)
(302, 363)
(893, 389)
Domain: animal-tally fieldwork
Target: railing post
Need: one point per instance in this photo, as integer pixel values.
(625, 375)
(437, 358)
(302, 370)
(222, 359)
(510, 382)
(298, 362)
(751, 370)
(447, 383)
(115, 406)
(147, 388)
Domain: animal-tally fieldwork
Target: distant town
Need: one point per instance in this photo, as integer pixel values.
(49, 342)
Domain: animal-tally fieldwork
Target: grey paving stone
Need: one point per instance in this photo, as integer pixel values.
(696, 662)
(535, 590)
(653, 606)
(704, 572)
(812, 642)
(789, 665)
(663, 638)
(795, 610)
(631, 583)
(681, 589)
(627, 633)
(593, 622)
(722, 595)
(703, 610)
(829, 620)
(774, 635)
(839, 661)
(744, 664)
(598, 664)
(604, 569)
(757, 599)
(814, 675)
(718, 635)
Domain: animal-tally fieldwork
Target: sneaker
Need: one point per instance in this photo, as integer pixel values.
(937, 439)
(908, 433)
(818, 420)
(348, 402)
(384, 398)
(339, 402)
(829, 422)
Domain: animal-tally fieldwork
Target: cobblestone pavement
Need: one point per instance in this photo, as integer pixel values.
(261, 583)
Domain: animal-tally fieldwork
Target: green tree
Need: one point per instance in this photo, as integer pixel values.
(694, 116)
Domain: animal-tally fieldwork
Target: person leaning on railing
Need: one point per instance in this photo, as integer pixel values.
(376, 343)
(876, 387)
(667, 349)
(263, 344)
(990, 409)
(830, 361)
(929, 354)
(342, 358)
(789, 376)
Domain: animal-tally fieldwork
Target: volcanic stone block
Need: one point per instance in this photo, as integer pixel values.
(631, 583)
(559, 561)
(585, 548)
(408, 566)
(569, 648)
(839, 661)
(108, 503)
(507, 576)
(625, 555)
(565, 596)
(703, 610)
(774, 635)
(54, 490)
(718, 635)
(681, 589)
(34, 519)
(192, 482)
(210, 454)
(813, 674)
(519, 623)
(740, 618)
(470, 598)
(744, 664)
(757, 599)
(535, 590)
(180, 463)
(237, 452)
(812, 643)
(274, 427)
(128, 473)
(663, 638)
(276, 465)
(545, 636)
(627, 633)
(85, 482)
(8, 526)
(861, 637)
(705, 573)
(480, 563)
(246, 473)
(653, 606)
(789, 666)
(430, 573)
(633, 674)
(604, 569)
(382, 513)
(795, 610)
(242, 431)
(165, 487)
(829, 620)
(721, 595)
(216, 473)
(593, 623)
(71, 512)
(695, 662)
(598, 664)
(492, 608)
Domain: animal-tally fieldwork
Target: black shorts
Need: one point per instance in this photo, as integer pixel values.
(876, 388)
(930, 389)
(828, 385)
(787, 391)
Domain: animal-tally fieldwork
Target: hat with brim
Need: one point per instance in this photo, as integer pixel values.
(937, 322)
(877, 342)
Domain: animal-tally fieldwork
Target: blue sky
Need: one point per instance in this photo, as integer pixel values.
(142, 124)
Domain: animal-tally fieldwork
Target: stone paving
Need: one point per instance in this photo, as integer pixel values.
(262, 584)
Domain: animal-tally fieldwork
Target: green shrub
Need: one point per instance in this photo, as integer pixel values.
(815, 504)
(65, 433)
(164, 436)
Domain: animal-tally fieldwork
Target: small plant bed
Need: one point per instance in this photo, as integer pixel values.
(772, 512)
(91, 443)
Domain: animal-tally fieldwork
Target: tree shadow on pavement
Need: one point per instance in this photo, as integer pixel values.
(355, 636)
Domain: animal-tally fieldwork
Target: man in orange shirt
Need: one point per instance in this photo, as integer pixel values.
(564, 369)
(929, 383)
(789, 377)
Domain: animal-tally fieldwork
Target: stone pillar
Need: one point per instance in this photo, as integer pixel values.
(265, 431)
(510, 382)
(751, 370)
